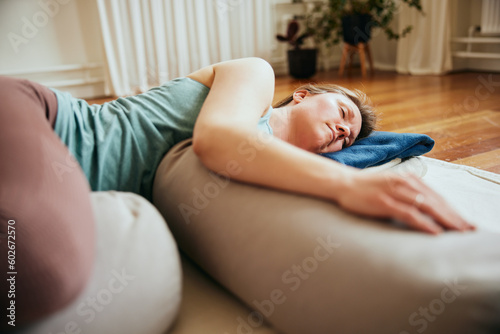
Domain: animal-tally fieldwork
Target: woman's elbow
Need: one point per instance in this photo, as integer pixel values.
(204, 144)
(214, 146)
(197, 143)
(197, 146)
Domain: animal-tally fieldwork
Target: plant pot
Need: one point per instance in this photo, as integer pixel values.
(302, 63)
(356, 28)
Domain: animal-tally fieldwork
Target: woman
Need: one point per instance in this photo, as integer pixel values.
(219, 129)
(119, 145)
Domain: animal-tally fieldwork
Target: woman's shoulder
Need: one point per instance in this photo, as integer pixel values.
(206, 74)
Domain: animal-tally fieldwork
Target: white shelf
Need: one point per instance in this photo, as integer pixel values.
(470, 40)
(492, 40)
(467, 54)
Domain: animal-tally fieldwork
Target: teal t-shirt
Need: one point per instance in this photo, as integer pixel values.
(120, 144)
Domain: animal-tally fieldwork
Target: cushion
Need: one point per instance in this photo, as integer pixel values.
(208, 308)
(305, 266)
(136, 283)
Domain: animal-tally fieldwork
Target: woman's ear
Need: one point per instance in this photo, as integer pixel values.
(299, 96)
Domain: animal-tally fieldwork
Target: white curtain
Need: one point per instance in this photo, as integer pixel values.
(148, 42)
(426, 50)
(490, 17)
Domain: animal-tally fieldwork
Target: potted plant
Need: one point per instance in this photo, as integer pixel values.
(352, 20)
(301, 62)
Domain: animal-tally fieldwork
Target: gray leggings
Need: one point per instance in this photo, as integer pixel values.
(44, 205)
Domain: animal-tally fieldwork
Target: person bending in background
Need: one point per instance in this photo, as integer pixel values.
(118, 146)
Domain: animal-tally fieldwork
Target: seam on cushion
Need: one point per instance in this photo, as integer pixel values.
(485, 175)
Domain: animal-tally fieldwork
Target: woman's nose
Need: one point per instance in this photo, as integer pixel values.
(342, 131)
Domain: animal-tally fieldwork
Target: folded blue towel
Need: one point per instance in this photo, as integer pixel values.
(381, 147)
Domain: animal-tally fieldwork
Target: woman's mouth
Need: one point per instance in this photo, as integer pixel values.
(332, 138)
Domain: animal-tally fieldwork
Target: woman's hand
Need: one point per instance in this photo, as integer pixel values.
(402, 197)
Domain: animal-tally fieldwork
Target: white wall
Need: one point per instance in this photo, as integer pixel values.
(38, 34)
(43, 34)
(383, 50)
(469, 13)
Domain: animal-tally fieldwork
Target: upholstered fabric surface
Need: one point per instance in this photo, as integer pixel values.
(306, 266)
(136, 284)
(208, 308)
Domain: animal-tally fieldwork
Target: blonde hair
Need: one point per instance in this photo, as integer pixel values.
(359, 98)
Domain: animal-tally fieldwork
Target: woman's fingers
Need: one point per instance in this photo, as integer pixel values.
(432, 204)
(414, 218)
(405, 198)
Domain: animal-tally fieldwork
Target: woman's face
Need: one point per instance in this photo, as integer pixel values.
(323, 123)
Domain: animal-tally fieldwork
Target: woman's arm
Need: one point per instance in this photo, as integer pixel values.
(226, 132)
(227, 141)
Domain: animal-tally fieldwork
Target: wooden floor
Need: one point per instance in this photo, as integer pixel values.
(460, 111)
